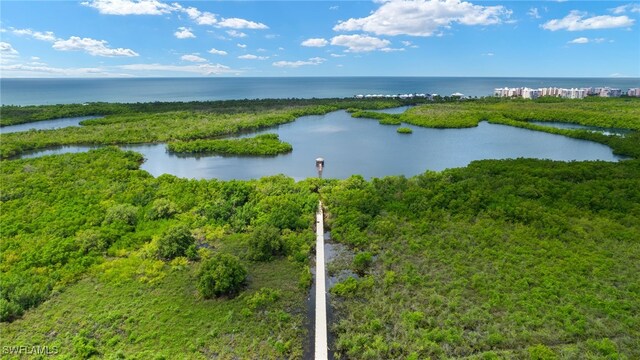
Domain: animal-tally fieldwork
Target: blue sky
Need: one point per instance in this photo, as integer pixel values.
(138, 38)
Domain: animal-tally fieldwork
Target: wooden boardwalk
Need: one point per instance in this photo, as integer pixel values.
(321, 349)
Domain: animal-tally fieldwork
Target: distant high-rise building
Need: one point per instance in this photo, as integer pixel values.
(635, 92)
(573, 93)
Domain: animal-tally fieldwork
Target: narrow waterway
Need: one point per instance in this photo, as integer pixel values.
(46, 124)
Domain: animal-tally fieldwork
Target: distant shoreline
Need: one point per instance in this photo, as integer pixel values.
(48, 91)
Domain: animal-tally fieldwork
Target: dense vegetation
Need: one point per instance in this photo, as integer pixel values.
(404, 130)
(12, 114)
(139, 245)
(266, 144)
(502, 259)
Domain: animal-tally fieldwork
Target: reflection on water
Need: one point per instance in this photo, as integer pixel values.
(362, 146)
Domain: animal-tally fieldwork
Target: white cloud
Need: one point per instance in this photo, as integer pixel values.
(192, 12)
(7, 50)
(35, 58)
(584, 40)
(183, 33)
(38, 35)
(577, 21)
(92, 47)
(334, 7)
(41, 70)
(75, 43)
(295, 64)
(203, 69)
(242, 46)
(237, 23)
(215, 51)
(205, 18)
(391, 49)
(337, 55)
(409, 44)
(317, 42)
(129, 7)
(252, 57)
(423, 17)
(634, 8)
(533, 12)
(236, 33)
(488, 54)
(155, 7)
(580, 40)
(200, 17)
(193, 58)
(360, 43)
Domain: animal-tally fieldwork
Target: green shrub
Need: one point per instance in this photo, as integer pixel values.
(604, 347)
(222, 274)
(263, 298)
(362, 261)
(306, 278)
(192, 253)
(162, 209)
(345, 288)
(9, 310)
(122, 213)
(84, 347)
(265, 242)
(404, 130)
(91, 239)
(174, 242)
(541, 352)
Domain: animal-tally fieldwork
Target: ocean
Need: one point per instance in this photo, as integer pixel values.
(68, 91)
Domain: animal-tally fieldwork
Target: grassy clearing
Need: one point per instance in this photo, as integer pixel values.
(124, 317)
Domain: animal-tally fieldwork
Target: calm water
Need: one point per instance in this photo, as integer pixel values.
(46, 125)
(66, 91)
(362, 146)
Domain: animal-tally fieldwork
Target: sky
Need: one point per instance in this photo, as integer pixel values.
(155, 38)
